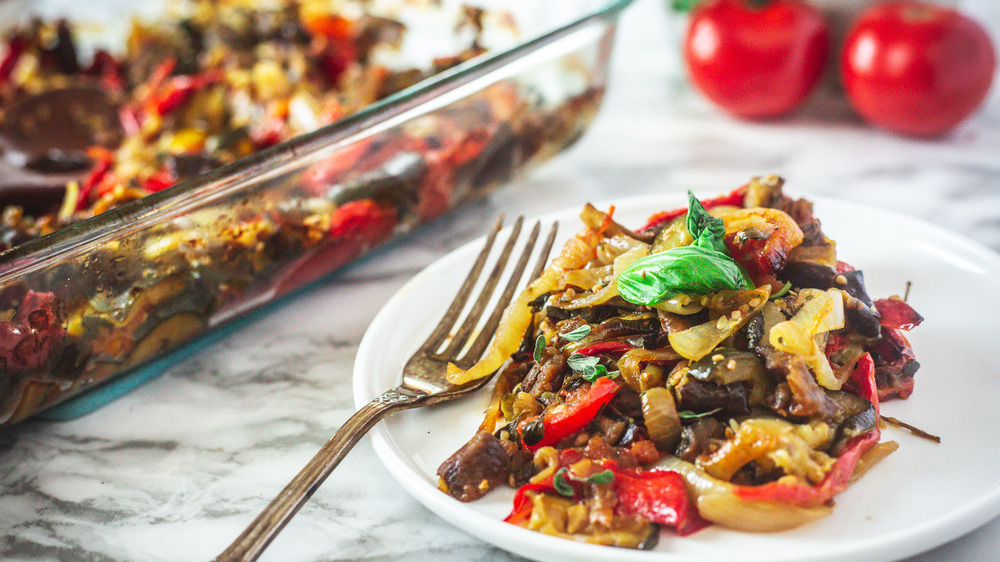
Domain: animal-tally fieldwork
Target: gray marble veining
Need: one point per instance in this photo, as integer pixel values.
(175, 470)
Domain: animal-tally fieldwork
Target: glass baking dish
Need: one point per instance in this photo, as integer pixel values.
(99, 306)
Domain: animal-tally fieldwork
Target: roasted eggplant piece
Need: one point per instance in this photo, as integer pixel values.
(726, 366)
(859, 310)
(702, 396)
(479, 466)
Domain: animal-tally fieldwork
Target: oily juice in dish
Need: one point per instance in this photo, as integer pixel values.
(721, 364)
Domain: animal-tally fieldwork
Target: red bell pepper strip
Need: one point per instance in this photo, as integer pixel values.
(734, 198)
(658, 495)
(165, 93)
(363, 219)
(613, 347)
(322, 175)
(761, 258)
(178, 90)
(522, 503)
(468, 147)
(159, 181)
(804, 495)
(159, 76)
(521, 511)
(569, 418)
(897, 313)
(103, 162)
(863, 378)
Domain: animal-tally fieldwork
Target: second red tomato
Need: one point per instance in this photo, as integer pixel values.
(917, 68)
(756, 59)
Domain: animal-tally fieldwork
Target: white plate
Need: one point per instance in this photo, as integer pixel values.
(921, 496)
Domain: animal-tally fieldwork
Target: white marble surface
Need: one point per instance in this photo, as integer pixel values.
(175, 470)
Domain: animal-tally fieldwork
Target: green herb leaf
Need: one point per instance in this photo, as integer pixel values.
(594, 373)
(561, 480)
(689, 415)
(699, 269)
(578, 333)
(598, 372)
(560, 483)
(579, 362)
(539, 346)
(590, 367)
(690, 270)
(602, 478)
(533, 431)
(708, 232)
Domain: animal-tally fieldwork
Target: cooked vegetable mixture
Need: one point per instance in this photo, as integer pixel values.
(187, 94)
(719, 365)
(84, 132)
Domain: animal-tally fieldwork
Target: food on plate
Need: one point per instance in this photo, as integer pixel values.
(719, 365)
(916, 68)
(81, 302)
(756, 59)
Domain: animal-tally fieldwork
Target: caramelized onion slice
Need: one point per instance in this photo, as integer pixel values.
(717, 503)
(610, 290)
(659, 414)
(804, 333)
(698, 341)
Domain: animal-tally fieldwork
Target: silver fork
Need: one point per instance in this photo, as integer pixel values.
(423, 384)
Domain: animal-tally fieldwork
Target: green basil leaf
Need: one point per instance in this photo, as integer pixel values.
(690, 270)
(699, 269)
(709, 232)
(577, 334)
(560, 483)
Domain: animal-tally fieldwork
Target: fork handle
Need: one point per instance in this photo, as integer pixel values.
(252, 542)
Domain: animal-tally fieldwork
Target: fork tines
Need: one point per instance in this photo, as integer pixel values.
(459, 341)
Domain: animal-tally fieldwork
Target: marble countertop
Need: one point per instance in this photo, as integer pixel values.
(176, 469)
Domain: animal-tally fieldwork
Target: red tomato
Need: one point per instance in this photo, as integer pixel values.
(916, 68)
(755, 59)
